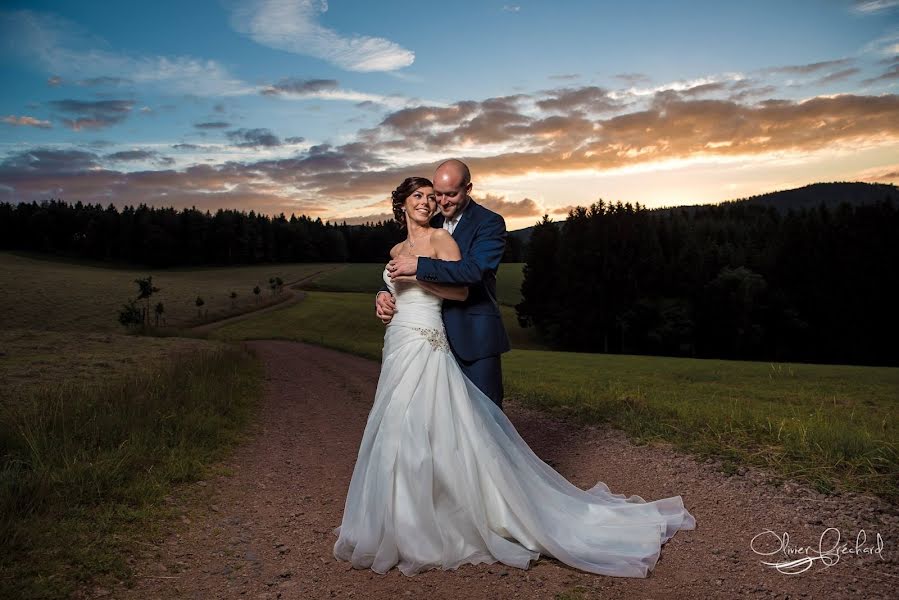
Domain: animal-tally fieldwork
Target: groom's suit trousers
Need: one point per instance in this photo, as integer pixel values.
(486, 373)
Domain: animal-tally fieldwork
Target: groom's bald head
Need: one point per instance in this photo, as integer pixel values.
(453, 171)
(452, 184)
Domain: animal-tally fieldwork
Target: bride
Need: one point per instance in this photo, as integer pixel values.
(443, 478)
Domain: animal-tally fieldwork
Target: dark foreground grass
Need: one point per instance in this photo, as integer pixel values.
(85, 468)
(833, 426)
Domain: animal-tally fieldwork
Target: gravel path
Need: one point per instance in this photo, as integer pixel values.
(264, 530)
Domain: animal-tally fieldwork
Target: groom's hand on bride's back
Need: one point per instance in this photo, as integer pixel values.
(385, 306)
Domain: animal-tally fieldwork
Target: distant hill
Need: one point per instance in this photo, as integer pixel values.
(809, 196)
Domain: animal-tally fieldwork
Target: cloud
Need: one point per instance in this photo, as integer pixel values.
(511, 8)
(565, 77)
(131, 155)
(26, 121)
(292, 26)
(497, 137)
(410, 120)
(868, 7)
(62, 48)
(301, 87)
(212, 125)
(562, 210)
(77, 175)
(93, 114)
(837, 76)
(48, 161)
(140, 156)
(509, 209)
(809, 67)
(746, 88)
(253, 138)
(591, 99)
(887, 174)
(97, 144)
(327, 89)
(633, 78)
(706, 88)
(670, 128)
(104, 81)
(888, 75)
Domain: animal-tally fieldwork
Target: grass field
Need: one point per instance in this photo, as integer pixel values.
(55, 295)
(33, 357)
(86, 465)
(366, 277)
(98, 426)
(829, 425)
(325, 317)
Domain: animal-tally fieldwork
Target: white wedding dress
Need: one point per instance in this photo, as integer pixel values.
(442, 477)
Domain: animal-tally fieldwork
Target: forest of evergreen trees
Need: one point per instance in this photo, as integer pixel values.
(166, 237)
(738, 281)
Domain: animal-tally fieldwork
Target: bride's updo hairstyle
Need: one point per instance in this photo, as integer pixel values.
(403, 191)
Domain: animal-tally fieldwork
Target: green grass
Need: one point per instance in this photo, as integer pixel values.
(85, 467)
(33, 357)
(508, 283)
(366, 277)
(828, 425)
(343, 321)
(353, 277)
(41, 292)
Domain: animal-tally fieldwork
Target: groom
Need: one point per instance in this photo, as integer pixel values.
(474, 327)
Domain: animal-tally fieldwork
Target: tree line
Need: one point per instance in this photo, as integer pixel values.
(167, 237)
(737, 281)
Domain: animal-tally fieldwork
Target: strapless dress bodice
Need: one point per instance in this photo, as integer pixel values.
(415, 305)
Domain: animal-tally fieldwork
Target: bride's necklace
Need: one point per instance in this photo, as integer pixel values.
(411, 242)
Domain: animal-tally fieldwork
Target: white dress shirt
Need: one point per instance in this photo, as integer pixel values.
(450, 224)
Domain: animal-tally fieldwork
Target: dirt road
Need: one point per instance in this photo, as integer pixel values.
(264, 531)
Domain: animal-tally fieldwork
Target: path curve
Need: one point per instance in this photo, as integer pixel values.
(294, 295)
(264, 531)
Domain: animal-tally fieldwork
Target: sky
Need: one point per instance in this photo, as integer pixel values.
(322, 107)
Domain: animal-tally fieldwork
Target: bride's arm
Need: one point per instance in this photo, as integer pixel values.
(446, 248)
(445, 290)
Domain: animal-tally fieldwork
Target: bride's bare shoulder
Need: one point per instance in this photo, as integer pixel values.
(395, 250)
(439, 234)
(444, 244)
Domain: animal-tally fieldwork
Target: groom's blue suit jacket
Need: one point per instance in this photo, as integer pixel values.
(474, 327)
